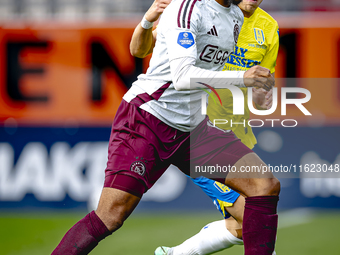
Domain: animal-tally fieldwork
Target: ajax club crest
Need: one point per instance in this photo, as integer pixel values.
(138, 167)
(259, 36)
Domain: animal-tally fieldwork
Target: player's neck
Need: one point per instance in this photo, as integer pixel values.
(225, 3)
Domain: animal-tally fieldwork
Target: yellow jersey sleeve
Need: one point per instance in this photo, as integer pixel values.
(269, 60)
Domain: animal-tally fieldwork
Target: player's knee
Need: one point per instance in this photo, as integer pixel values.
(113, 219)
(272, 187)
(264, 187)
(114, 222)
(275, 187)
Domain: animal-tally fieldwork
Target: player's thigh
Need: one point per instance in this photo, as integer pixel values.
(133, 168)
(115, 206)
(226, 200)
(214, 151)
(237, 209)
(250, 179)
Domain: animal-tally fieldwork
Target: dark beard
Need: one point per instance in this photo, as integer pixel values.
(237, 2)
(228, 2)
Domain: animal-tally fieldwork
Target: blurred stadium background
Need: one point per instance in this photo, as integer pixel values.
(65, 65)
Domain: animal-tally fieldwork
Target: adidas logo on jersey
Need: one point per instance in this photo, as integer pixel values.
(213, 31)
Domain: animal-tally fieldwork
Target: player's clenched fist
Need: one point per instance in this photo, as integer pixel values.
(156, 9)
(259, 77)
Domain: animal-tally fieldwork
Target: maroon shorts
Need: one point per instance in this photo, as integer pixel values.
(142, 147)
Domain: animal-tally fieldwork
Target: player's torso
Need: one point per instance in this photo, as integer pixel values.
(218, 29)
(251, 49)
(217, 36)
(252, 45)
(215, 39)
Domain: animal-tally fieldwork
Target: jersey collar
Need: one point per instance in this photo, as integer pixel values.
(219, 7)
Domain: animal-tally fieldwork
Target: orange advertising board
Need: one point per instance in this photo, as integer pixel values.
(57, 74)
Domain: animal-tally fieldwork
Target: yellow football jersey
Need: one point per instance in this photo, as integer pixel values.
(258, 44)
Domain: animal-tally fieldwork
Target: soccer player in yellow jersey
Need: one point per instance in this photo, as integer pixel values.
(257, 45)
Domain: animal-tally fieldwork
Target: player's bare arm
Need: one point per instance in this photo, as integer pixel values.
(143, 40)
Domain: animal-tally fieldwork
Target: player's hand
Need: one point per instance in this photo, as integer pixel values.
(259, 98)
(269, 99)
(259, 77)
(263, 99)
(156, 9)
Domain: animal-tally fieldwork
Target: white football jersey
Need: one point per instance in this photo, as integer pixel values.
(199, 29)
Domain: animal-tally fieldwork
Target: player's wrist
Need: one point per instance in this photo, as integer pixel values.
(146, 24)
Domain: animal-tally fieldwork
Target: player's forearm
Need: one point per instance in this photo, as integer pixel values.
(183, 70)
(142, 42)
(143, 39)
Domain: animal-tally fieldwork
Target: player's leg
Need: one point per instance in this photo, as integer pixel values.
(252, 183)
(212, 238)
(260, 215)
(133, 167)
(218, 235)
(213, 147)
(215, 238)
(228, 202)
(234, 227)
(235, 222)
(114, 208)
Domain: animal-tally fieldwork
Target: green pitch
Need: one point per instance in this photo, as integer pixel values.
(22, 234)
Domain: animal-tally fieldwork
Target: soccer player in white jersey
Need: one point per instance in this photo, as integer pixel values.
(159, 123)
(221, 234)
